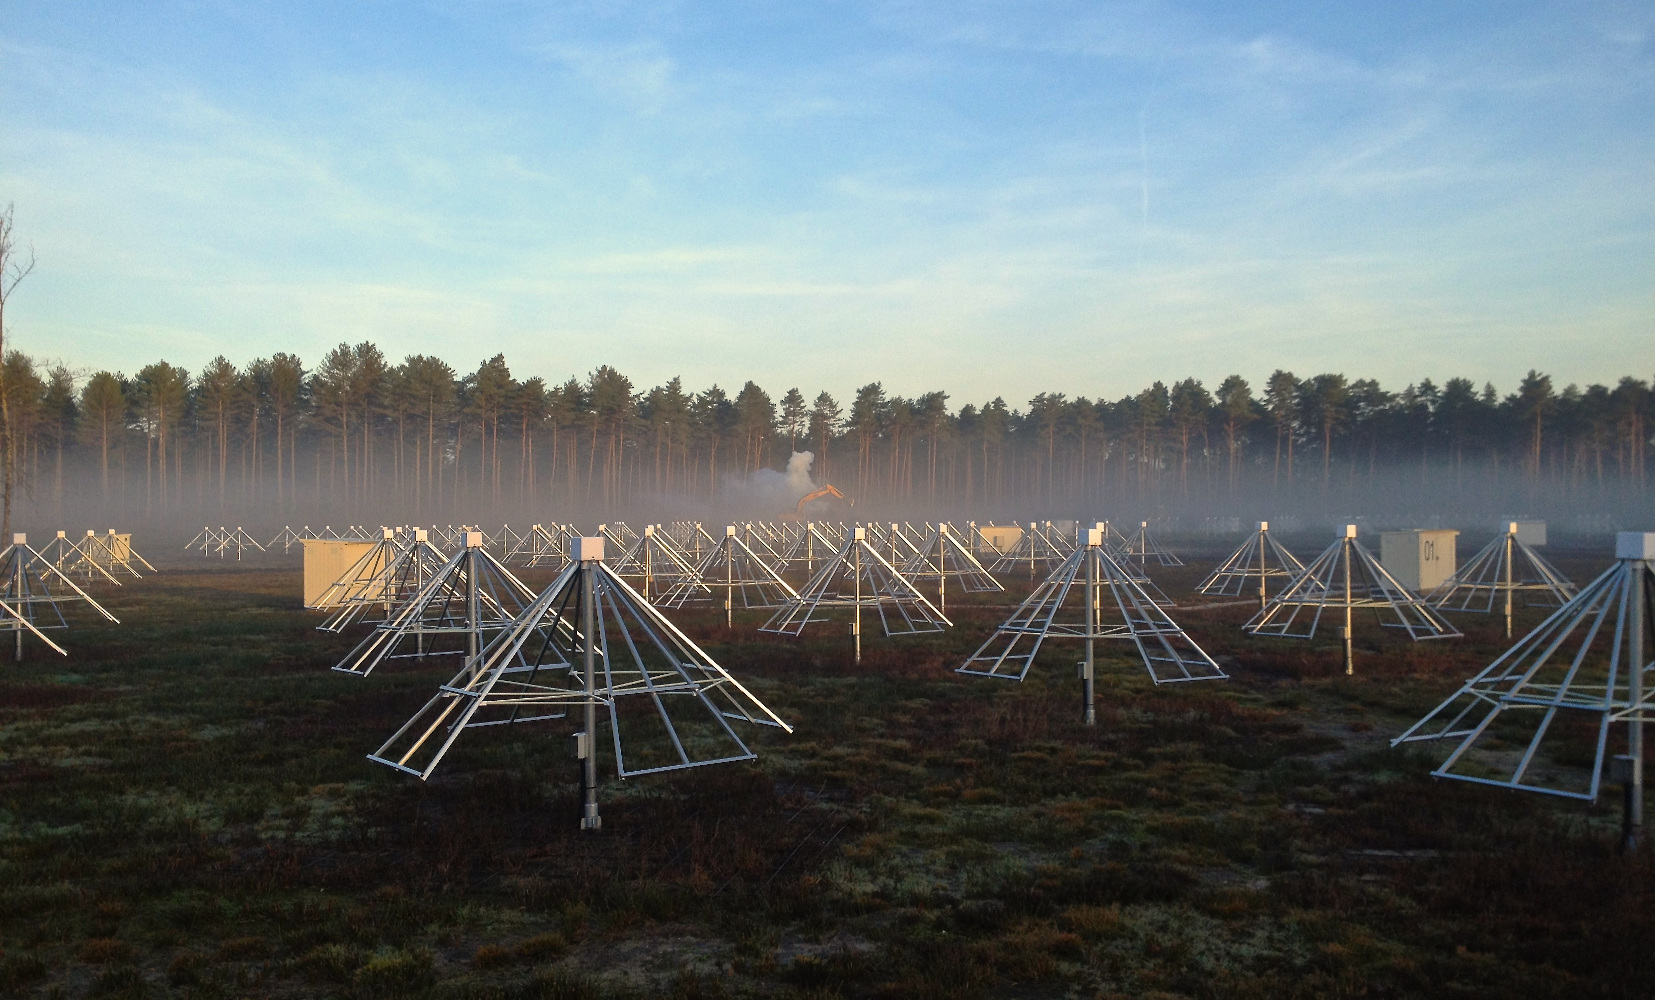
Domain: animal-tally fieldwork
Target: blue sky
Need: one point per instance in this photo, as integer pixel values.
(985, 198)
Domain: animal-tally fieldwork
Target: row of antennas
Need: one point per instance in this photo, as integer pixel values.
(1346, 577)
(421, 604)
(593, 638)
(37, 589)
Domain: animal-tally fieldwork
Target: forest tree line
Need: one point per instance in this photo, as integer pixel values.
(360, 434)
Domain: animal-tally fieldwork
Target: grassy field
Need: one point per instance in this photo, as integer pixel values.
(185, 810)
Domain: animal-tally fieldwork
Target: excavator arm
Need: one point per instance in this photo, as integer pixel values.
(825, 491)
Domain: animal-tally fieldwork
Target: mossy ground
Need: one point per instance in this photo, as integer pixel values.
(185, 810)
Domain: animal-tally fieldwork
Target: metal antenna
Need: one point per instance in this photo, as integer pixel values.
(1259, 559)
(33, 593)
(1589, 657)
(1504, 568)
(1168, 653)
(388, 575)
(287, 538)
(1116, 544)
(591, 642)
(536, 547)
(812, 543)
(858, 577)
(654, 559)
(205, 540)
(114, 551)
(1344, 577)
(550, 546)
(942, 556)
(1033, 549)
(736, 569)
(1143, 547)
(72, 557)
(619, 534)
(236, 539)
(470, 597)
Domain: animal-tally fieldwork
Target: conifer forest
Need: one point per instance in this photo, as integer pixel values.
(356, 432)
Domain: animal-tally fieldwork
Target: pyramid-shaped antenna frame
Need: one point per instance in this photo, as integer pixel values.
(1033, 549)
(113, 550)
(1061, 541)
(531, 545)
(813, 543)
(387, 575)
(59, 549)
(1260, 558)
(894, 542)
(554, 546)
(287, 538)
(1113, 538)
(1346, 576)
(205, 540)
(872, 582)
(761, 543)
(732, 566)
(655, 562)
(620, 534)
(590, 642)
(1591, 656)
(1168, 653)
(237, 539)
(1503, 569)
(472, 595)
(1137, 573)
(79, 557)
(943, 557)
(1143, 547)
(33, 593)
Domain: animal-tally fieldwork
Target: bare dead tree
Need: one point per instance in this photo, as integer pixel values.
(13, 269)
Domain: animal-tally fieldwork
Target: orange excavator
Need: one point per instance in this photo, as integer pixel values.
(827, 490)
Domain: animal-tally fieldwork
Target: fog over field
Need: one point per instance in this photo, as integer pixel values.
(356, 437)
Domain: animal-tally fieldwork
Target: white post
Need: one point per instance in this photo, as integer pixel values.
(589, 553)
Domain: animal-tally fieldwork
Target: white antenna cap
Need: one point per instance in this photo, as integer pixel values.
(1143, 524)
(20, 539)
(1511, 528)
(90, 532)
(387, 532)
(649, 531)
(1264, 526)
(1628, 544)
(861, 535)
(474, 539)
(585, 549)
(62, 534)
(1094, 537)
(1350, 531)
(729, 531)
(419, 534)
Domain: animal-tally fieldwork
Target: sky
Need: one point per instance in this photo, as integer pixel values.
(990, 199)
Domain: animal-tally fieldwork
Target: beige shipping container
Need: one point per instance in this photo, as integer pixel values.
(1002, 538)
(326, 560)
(1421, 559)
